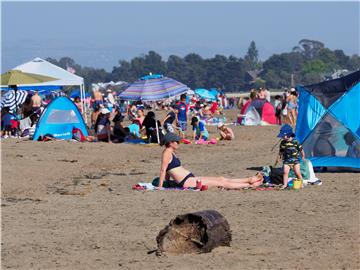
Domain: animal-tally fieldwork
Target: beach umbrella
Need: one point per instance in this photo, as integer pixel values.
(13, 98)
(16, 77)
(13, 78)
(206, 94)
(153, 87)
(76, 93)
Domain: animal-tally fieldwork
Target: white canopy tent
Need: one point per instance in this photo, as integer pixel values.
(43, 67)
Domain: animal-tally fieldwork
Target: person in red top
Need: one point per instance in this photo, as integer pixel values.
(214, 107)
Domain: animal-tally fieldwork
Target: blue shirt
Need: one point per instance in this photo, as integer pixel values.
(182, 112)
(201, 130)
(6, 119)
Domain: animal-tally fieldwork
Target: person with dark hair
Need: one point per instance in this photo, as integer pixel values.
(152, 128)
(290, 150)
(78, 103)
(278, 108)
(172, 170)
(6, 118)
(182, 115)
(140, 116)
(199, 130)
(169, 119)
(119, 131)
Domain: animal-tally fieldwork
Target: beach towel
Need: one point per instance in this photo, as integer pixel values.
(214, 121)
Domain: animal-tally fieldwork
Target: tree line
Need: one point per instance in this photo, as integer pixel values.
(307, 63)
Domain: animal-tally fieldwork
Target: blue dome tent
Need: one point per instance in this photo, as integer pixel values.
(328, 124)
(58, 120)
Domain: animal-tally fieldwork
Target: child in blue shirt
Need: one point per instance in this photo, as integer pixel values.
(182, 115)
(6, 122)
(199, 129)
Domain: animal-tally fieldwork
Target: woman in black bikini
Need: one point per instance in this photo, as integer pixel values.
(171, 168)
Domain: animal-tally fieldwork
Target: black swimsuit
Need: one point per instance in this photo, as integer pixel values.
(175, 162)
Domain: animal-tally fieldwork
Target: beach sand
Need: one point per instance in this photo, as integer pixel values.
(68, 205)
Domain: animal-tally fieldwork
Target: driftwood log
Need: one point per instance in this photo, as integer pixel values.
(197, 232)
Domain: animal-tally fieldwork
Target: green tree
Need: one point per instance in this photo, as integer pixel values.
(309, 48)
(252, 56)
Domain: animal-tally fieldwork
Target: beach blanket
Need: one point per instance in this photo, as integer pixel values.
(214, 121)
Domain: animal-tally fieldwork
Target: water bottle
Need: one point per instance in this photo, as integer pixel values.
(198, 184)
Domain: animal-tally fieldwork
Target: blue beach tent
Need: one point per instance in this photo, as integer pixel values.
(328, 124)
(58, 120)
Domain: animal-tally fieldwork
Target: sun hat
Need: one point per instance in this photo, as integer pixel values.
(220, 125)
(171, 137)
(285, 130)
(104, 111)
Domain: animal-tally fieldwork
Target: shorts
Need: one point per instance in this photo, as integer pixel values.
(291, 162)
(203, 137)
(183, 125)
(181, 184)
(169, 127)
(7, 127)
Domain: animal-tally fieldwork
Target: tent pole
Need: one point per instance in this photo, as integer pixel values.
(157, 131)
(82, 94)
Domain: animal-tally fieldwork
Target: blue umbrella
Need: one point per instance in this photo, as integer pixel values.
(76, 93)
(153, 87)
(9, 99)
(206, 94)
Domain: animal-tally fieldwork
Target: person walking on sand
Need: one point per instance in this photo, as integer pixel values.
(171, 169)
(290, 150)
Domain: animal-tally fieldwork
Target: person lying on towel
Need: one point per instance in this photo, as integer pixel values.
(171, 169)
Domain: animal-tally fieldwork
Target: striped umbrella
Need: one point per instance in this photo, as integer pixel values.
(153, 87)
(10, 100)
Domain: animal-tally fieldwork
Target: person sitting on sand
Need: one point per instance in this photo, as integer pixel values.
(226, 133)
(171, 169)
(102, 126)
(169, 119)
(199, 130)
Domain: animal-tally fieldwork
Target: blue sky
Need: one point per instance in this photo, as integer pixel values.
(98, 34)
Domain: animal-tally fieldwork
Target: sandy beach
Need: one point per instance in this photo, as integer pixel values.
(68, 205)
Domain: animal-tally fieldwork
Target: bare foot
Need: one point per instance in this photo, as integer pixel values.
(256, 184)
(258, 177)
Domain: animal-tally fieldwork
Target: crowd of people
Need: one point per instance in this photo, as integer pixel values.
(108, 115)
(108, 122)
